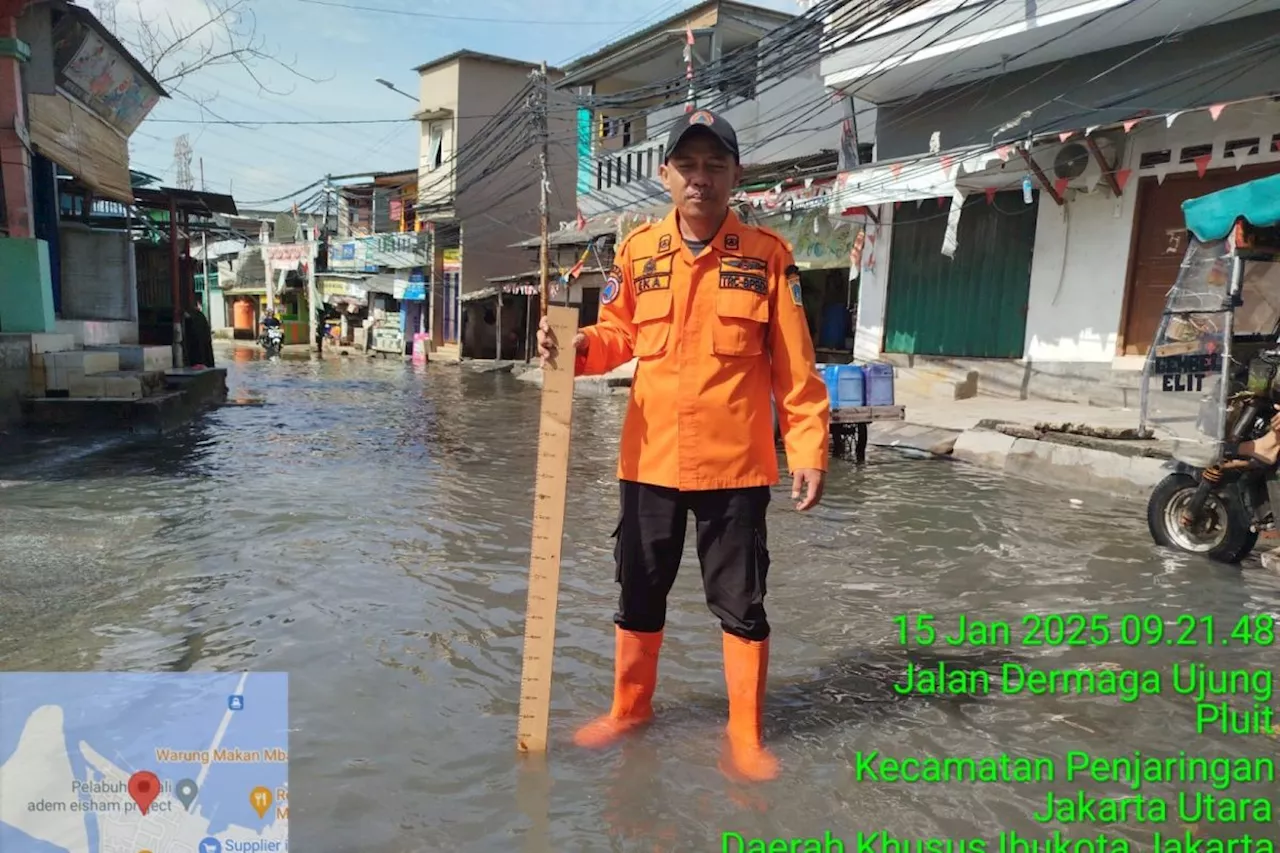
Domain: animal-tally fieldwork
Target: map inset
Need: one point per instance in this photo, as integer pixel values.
(144, 763)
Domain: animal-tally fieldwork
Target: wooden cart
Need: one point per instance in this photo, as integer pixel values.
(849, 427)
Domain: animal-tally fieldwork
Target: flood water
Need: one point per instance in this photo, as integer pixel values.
(364, 526)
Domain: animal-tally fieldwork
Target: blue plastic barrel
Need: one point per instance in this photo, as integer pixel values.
(850, 386)
(829, 377)
(879, 376)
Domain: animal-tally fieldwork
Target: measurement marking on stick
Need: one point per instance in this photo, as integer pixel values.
(552, 475)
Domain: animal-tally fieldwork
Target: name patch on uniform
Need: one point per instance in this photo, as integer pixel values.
(793, 285)
(664, 243)
(744, 264)
(742, 281)
(731, 242)
(612, 286)
(653, 282)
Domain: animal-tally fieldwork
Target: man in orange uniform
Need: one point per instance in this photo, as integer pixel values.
(711, 308)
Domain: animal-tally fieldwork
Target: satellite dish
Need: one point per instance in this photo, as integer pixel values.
(1071, 161)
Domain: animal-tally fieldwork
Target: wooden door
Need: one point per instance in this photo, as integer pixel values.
(1161, 242)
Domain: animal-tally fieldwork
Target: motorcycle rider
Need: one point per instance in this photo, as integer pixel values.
(270, 321)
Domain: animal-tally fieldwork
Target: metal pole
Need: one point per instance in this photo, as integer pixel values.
(544, 225)
(204, 250)
(313, 302)
(175, 287)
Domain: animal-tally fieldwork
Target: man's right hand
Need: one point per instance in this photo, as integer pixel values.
(547, 347)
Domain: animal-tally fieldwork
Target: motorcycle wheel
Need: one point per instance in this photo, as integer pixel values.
(1226, 536)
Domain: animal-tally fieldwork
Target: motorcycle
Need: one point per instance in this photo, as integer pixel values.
(273, 340)
(1211, 381)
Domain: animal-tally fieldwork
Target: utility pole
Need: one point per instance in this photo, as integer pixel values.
(544, 225)
(204, 249)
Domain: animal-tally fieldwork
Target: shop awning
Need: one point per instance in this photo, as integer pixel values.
(83, 144)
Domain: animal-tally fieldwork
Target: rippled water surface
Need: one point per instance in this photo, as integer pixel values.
(364, 526)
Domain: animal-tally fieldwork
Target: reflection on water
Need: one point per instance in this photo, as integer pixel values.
(364, 525)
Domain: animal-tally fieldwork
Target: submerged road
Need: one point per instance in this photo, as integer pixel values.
(364, 525)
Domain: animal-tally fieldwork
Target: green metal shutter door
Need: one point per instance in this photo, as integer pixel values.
(973, 305)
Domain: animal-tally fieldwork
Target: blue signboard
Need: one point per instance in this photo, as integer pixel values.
(417, 289)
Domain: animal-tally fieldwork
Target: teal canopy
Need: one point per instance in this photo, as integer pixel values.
(1211, 217)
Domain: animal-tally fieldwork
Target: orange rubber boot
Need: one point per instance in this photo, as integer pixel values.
(635, 675)
(746, 668)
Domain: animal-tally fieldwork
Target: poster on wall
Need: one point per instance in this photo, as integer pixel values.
(101, 77)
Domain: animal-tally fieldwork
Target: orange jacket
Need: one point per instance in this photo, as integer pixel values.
(714, 336)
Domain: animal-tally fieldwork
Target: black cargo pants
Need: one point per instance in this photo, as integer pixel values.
(732, 549)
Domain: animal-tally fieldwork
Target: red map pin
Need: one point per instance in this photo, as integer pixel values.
(144, 787)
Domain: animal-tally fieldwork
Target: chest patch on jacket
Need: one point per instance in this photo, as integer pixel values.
(743, 265)
(657, 281)
(744, 274)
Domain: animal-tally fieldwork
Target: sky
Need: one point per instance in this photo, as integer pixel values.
(344, 45)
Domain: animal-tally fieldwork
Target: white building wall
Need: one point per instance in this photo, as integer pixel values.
(1080, 263)
(1080, 266)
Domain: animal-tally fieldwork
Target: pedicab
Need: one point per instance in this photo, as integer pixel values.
(1211, 382)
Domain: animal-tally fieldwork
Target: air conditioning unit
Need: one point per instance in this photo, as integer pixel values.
(1073, 161)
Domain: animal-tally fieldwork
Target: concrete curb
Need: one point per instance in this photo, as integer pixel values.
(1061, 464)
(900, 435)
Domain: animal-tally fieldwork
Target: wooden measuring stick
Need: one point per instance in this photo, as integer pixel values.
(550, 486)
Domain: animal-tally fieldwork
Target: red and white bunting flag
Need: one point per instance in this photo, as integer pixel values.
(1060, 186)
(991, 195)
(1065, 135)
(1003, 153)
(1202, 164)
(1129, 125)
(895, 169)
(1122, 178)
(1216, 110)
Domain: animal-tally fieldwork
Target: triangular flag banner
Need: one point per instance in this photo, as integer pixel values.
(895, 169)
(1129, 125)
(1091, 182)
(1216, 110)
(1171, 118)
(1060, 186)
(1003, 153)
(1202, 164)
(1065, 135)
(1122, 178)
(947, 163)
(1161, 171)
(897, 204)
(808, 182)
(1088, 131)
(919, 202)
(991, 195)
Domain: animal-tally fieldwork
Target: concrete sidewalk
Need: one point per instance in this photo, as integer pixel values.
(1001, 434)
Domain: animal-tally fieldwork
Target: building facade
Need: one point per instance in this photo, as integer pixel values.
(1024, 206)
(478, 178)
(757, 67)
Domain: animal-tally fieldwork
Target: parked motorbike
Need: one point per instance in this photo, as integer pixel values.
(273, 340)
(1212, 379)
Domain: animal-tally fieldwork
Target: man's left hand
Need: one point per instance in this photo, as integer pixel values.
(807, 488)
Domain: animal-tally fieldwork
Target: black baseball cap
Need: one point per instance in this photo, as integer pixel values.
(702, 120)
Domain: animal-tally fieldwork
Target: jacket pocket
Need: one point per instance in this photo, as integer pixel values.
(742, 316)
(652, 318)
